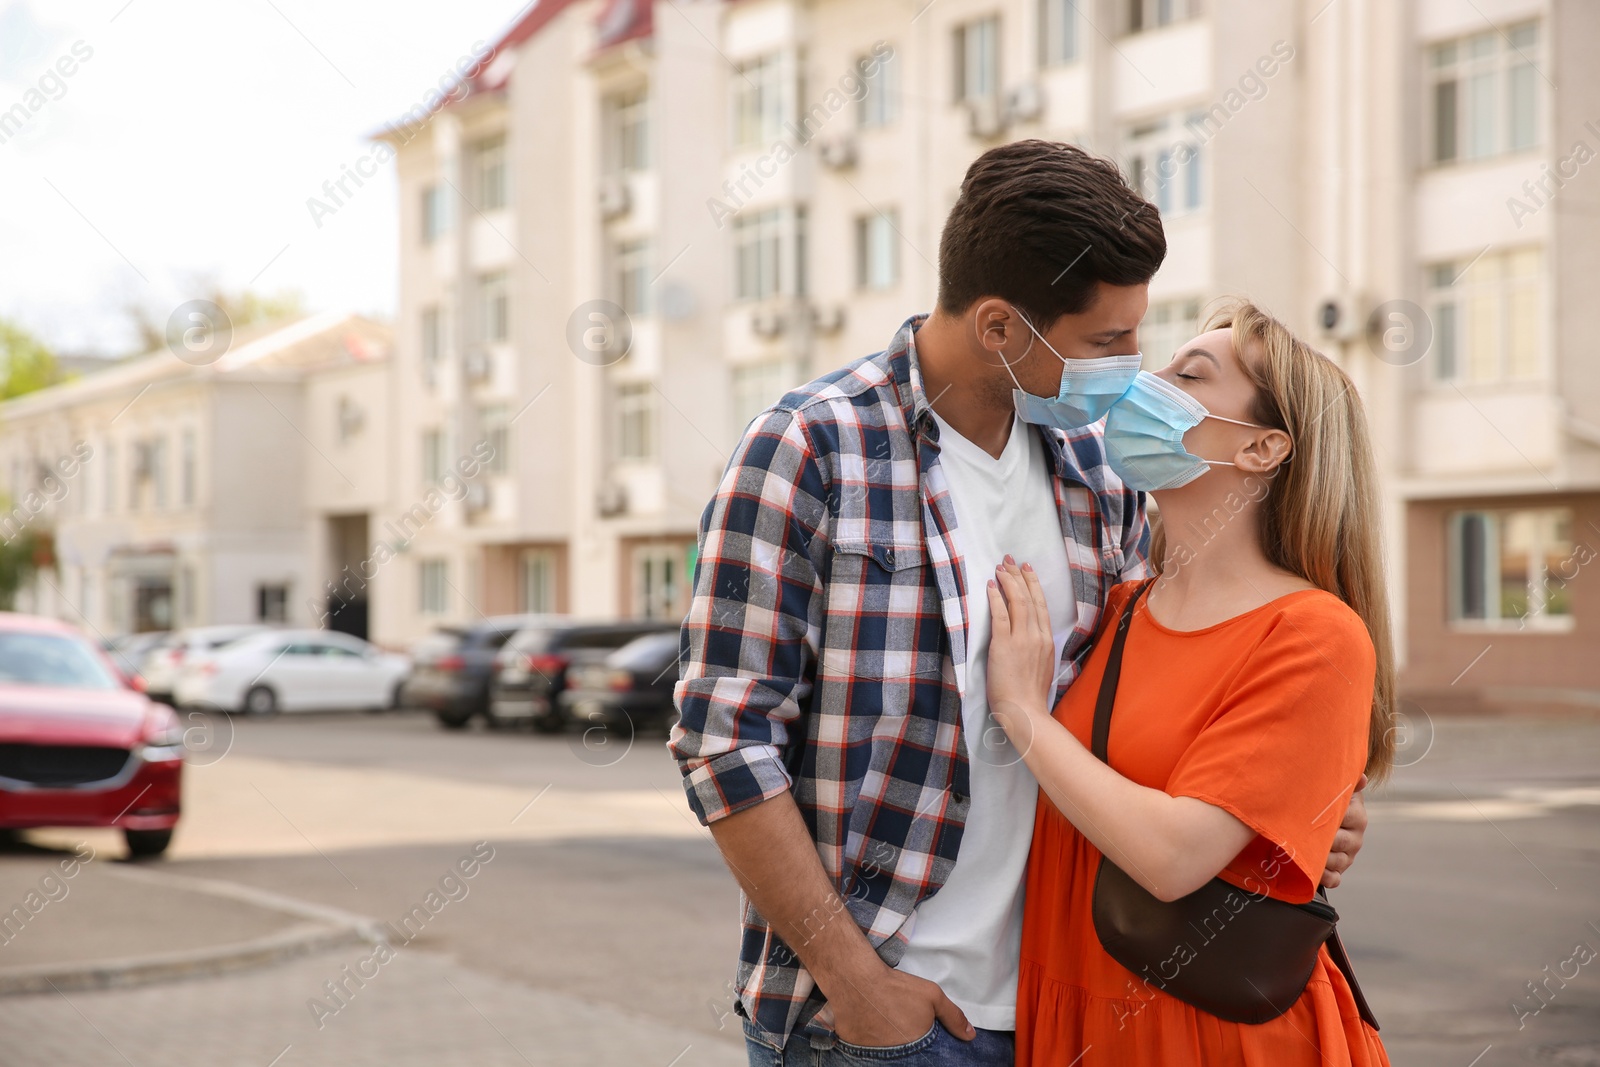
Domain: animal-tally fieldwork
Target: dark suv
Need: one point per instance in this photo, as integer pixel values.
(531, 670)
(451, 668)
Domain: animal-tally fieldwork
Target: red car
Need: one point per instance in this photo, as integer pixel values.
(79, 746)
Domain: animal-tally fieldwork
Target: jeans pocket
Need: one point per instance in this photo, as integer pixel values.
(869, 1054)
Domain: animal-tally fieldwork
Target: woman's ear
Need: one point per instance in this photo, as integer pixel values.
(1265, 453)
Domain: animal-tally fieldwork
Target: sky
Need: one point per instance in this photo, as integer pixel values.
(183, 146)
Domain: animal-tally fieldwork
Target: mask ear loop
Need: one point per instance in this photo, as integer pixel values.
(1034, 333)
(1253, 426)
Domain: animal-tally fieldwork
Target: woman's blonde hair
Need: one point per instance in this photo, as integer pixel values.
(1320, 519)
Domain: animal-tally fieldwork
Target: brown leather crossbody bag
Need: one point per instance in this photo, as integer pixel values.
(1241, 956)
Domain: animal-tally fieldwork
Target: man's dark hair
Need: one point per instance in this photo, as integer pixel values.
(1040, 223)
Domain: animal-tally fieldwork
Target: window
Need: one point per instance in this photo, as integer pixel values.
(147, 483)
(1485, 94)
(536, 580)
(880, 106)
(636, 421)
(435, 214)
(627, 131)
(432, 341)
(1166, 326)
(186, 473)
(770, 254)
(1511, 568)
(756, 386)
(491, 173)
(877, 250)
(432, 581)
(1487, 319)
(658, 581)
(497, 432)
(272, 603)
(1152, 14)
(110, 476)
(433, 460)
(1165, 164)
(632, 266)
(977, 60)
(494, 306)
(1058, 32)
(758, 101)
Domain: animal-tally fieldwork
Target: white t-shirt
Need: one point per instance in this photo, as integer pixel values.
(968, 936)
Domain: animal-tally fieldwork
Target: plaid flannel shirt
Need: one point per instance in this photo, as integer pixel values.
(824, 653)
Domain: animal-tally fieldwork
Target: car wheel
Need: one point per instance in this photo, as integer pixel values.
(451, 720)
(397, 697)
(143, 844)
(260, 702)
(552, 722)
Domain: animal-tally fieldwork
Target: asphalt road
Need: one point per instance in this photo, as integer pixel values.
(604, 928)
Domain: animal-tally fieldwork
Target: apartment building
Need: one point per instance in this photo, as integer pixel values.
(648, 220)
(173, 493)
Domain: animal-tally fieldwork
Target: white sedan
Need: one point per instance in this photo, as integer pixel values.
(293, 670)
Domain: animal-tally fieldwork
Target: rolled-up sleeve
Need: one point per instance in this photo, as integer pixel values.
(749, 640)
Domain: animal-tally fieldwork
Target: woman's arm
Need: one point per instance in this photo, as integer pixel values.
(1170, 845)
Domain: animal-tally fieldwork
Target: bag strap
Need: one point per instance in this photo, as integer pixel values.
(1113, 673)
(1104, 704)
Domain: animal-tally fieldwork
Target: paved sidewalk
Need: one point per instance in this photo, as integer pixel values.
(421, 1009)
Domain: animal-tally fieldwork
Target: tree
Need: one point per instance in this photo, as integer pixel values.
(242, 308)
(26, 364)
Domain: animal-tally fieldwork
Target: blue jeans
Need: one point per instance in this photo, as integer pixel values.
(936, 1048)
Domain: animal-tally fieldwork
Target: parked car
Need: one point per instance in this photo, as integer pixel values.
(78, 746)
(632, 685)
(163, 662)
(292, 670)
(128, 652)
(537, 664)
(451, 668)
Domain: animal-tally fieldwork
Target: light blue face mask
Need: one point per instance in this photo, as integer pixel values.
(1088, 389)
(1144, 435)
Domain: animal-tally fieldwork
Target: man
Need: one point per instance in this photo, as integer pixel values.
(833, 728)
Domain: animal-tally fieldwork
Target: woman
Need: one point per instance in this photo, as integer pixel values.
(1256, 686)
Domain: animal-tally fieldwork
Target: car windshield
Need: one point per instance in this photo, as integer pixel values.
(51, 659)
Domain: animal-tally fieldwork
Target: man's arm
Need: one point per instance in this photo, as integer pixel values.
(775, 862)
(748, 666)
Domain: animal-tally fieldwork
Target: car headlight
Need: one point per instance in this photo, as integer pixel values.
(164, 743)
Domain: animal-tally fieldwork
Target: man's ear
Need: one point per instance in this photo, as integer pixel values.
(1265, 453)
(995, 324)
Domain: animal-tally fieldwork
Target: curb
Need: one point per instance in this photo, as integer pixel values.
(323, 928)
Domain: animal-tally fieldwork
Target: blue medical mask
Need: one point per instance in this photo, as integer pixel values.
(1144, 435)
(1088, 388)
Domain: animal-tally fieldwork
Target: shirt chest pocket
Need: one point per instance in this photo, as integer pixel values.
(883, 616)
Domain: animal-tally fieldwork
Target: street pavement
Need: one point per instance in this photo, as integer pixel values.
(598, 925)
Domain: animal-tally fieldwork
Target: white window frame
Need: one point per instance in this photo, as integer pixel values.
(976, 55)
(433, 586)
(1167, 325)
(754, 388)
(434, 463)
(878, 251)
(760, 99)
(1540, 577)
(1059, 39)
(1485, 285)
(658, 580)
(1142, 16)
(628, 130)
(494, 306)
(1497, 70)
(631, 265)
(637, 422)
(492, 173)
(435, 213)
(495, 424)
(879, 105)
(769, 253)
(1166, 163)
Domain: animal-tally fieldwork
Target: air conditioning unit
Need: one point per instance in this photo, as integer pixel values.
(477, 496)
(611, 500)
(1025, 103)
(828, 320)
(986, 118)
(1339, 320)
(615, 198)
(766, 324)
(478, 365)
(838, 153)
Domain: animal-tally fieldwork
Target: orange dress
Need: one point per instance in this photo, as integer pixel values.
(1264, 715)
